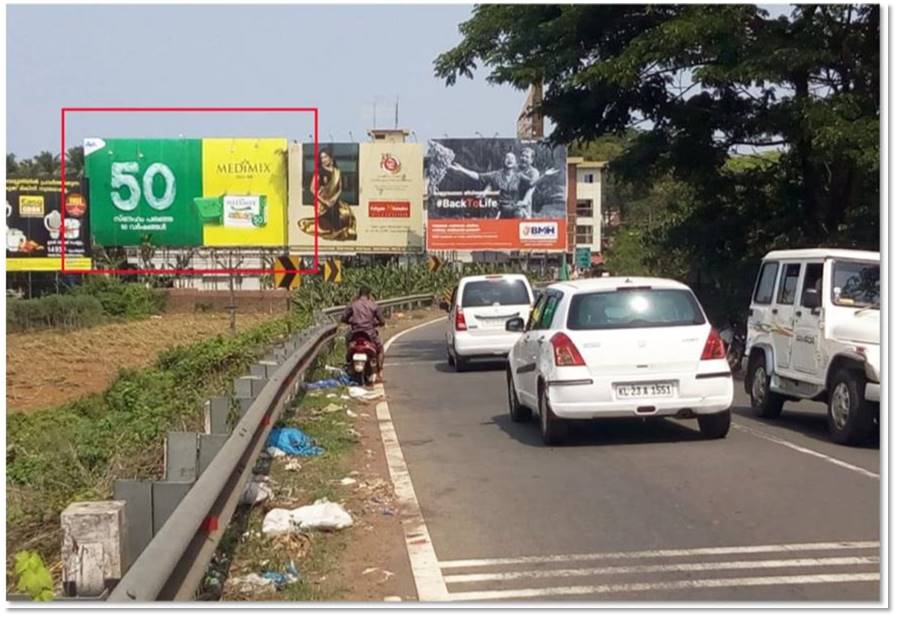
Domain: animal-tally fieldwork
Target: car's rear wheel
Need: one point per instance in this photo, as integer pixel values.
(716, 425)
(765, 402)
(552, 428)
(519, 413)
(461, 364)
(850, 416)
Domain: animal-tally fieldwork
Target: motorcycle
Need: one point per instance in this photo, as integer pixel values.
(361, 358)
(734, 339)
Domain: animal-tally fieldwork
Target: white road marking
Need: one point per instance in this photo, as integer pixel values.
(685, 552)
(424, 564)
(712, 566)
(794, 446)
(759, 581)
(386, 364)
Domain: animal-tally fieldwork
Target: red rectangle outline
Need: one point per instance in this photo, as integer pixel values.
(316, 267)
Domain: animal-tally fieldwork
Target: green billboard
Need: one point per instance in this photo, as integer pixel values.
(142, 190)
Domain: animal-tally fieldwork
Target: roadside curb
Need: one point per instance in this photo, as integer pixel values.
(425, 568)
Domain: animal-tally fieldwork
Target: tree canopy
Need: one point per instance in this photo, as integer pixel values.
(767, 127)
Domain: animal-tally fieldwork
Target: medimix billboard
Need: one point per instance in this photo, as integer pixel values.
(496, 194)
(370, 197)
(187, 192)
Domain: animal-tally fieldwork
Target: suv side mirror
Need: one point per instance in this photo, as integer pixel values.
(811, 299)
(515, 324)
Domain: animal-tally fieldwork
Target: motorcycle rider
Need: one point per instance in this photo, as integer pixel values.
(363, 315)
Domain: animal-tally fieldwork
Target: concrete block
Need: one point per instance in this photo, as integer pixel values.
(248, 386)
(209, 445)
(94, 541)
(264, 369)
(243, 404)
(215, 411)
(138, 498)
(166, 497)
(180, 456)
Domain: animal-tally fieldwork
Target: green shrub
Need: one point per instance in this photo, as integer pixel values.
(122, 299)
(57, 311)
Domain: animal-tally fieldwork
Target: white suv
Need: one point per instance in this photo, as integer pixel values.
(478, 310)
(618, 348)
(813, 333)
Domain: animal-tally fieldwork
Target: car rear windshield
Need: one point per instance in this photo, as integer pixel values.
(634, 308)
(495, 291)
(856, 284)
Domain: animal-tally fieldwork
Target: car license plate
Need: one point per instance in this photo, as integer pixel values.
(646, 390)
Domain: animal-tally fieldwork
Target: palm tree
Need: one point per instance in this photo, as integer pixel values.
(12, 165)
(47, 164)
(74, 162)
(26, 168)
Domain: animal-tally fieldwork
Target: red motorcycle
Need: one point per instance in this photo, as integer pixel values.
(361, 357)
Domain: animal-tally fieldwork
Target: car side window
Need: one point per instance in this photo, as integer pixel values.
(766, 283)
(788, 286)
(536, 313)
(548, 312)
(812, 282)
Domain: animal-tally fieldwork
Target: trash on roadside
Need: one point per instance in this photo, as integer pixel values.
(336, 381)
(363, 394)
(348, 481)
(388, 512)
(275, 452)
(323, 514)
(386, 573)
(293, 465)
(292, 441)
(331, 395)
(345, 397)
(257, 490)
(281, 579)
(332, 407)
(277, 522)
(249, 584)
(351, 413)
(392, 598)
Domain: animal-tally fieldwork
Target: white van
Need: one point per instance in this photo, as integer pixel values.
(477, 313)
(814, 333)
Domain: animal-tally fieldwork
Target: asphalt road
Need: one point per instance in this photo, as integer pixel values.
(630, 510)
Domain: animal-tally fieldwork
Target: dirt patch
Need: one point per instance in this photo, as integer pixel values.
(51, 368)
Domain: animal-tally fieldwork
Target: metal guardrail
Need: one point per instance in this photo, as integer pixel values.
(172, 565)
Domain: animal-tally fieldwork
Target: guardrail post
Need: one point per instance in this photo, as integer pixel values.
(180, 456)
(138, 498)
(166, 497)
(263, 369)
(94, 537)
(215, 413)
(248, 386)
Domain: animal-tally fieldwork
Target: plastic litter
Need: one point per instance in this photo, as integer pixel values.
(336, 381)
(280, 579)
(257, 490)
(351, 413)
(275, 452)
(362, 394)
(293, 465)
(332, 407)
(277, 522)
(250, 583)
(292, 441)
(348, 481)
(323, 514)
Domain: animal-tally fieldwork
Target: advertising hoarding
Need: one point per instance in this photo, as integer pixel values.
(496, 194)
(188, 192)
(249, 178)
(370, 197)
(34, 223)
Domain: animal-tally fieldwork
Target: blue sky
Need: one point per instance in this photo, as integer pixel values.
(338, 58)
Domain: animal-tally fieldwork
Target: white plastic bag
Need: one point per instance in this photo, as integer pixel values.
(323, 515)
(257, 490)
(277, 522)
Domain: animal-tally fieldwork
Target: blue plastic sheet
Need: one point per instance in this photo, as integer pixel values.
(293, 442)
(341, 379)
(280, 579)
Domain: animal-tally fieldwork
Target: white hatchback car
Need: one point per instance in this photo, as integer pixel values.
(618, 348)
(479, 308)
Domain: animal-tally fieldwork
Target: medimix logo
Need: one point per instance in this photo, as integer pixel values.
(538, 231)
(243, 168)
(390, 163)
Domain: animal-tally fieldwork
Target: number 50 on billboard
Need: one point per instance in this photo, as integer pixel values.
(143, 189)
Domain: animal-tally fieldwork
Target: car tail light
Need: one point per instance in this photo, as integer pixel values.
(714, 348)
(565, 352)
(460, 322)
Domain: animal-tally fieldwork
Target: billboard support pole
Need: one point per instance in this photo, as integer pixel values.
(233, 299)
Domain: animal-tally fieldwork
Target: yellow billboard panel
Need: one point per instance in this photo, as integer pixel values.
(244, 187)
(47, 264)
(370, 197)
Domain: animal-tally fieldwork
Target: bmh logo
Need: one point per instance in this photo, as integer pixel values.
(538, 231)
(390, 163)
